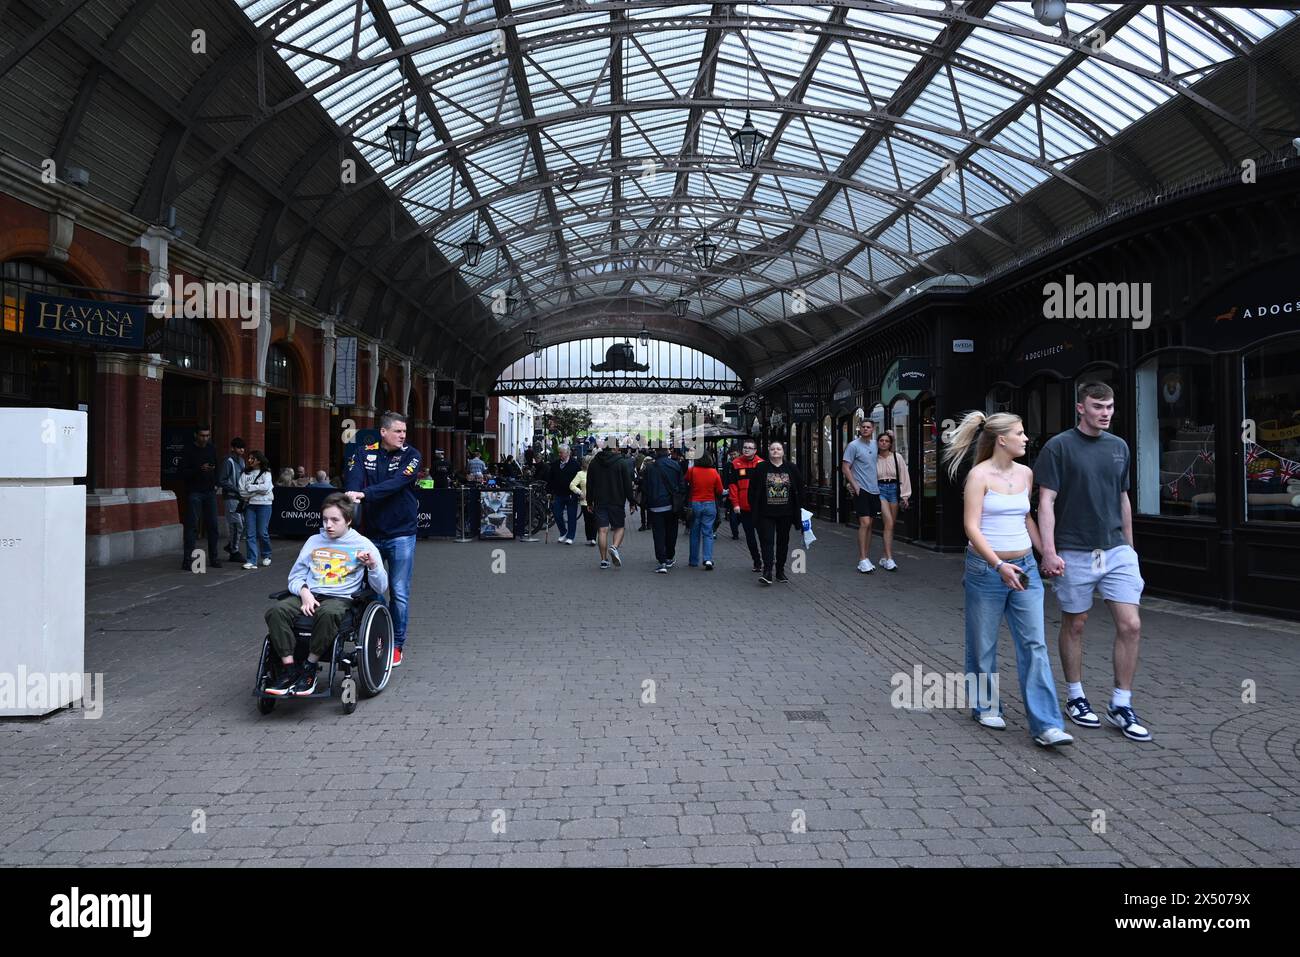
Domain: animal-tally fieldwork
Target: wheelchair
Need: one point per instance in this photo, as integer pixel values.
(364, 644)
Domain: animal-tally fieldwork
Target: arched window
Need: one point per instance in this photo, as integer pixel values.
(828, 449)
(899, 416)
(188, 345)
(279, 370)
(17, 278)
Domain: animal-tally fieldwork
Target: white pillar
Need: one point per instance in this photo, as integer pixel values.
(405, 405)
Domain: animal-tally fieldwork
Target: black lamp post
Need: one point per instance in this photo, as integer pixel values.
(402, 138)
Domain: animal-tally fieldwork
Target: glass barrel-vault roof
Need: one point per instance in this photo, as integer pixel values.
(590, 142)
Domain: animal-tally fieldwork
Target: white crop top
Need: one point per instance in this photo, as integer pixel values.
(1002, 522)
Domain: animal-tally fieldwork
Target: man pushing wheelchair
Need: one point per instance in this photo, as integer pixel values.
(332, 567)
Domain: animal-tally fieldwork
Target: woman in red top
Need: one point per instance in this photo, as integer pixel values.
(706, 488)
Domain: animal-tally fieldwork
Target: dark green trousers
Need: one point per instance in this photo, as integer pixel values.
(325, 624)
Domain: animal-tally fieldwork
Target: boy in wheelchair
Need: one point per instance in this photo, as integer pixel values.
(331, 567)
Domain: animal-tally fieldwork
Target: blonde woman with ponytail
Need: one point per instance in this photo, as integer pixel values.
(1001, 578)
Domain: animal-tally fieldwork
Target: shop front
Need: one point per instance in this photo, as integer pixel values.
(1217, 427)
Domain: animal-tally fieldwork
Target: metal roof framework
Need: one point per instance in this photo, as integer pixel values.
(589, 143)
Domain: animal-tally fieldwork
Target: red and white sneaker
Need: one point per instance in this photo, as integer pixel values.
(397, 657)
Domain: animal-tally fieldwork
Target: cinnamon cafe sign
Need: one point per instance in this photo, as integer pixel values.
(84, 322)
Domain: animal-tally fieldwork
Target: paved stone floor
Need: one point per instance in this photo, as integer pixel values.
(520, 702)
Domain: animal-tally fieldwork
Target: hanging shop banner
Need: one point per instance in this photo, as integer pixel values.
(1048, 347)
(345, 370)
(1260, 304)
(444, 408)
(84, 322)
(843, 398)
(803, 408)
(497, 515)
(462, 410)
(892, 385)
(477, 413)
(914, 374)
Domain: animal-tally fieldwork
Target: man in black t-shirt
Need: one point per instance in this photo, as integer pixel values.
(1086, 522)
(199, 470)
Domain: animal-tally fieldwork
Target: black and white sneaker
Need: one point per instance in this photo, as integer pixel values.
(662, 569)
(289, 675)
(1080, 712)
(306, 683)
(765, 578)
(1126, 720)
(614, 556)
(781, 579)
(670, 563)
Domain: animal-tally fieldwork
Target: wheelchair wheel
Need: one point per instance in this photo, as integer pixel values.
(374, 638)
(265, 675)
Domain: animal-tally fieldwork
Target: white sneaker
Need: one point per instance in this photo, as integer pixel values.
(249, 566)
(615, 557)
(1051, 737)
(266, 561)
(568, 541)
(991, 720)
(888, 564)
(866, 567)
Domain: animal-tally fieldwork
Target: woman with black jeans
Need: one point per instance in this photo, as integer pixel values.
(775, 500)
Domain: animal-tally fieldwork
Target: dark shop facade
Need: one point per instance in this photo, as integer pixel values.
(1189, 308)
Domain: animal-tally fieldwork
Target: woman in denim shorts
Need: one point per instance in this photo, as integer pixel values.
(895, 486)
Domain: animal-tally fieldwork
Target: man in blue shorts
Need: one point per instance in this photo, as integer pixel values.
(1086, 522)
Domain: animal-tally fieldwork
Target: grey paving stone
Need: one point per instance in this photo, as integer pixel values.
(546, 725)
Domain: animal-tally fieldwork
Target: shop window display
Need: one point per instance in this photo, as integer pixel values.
(1175, 442)
(828, 450)
(1271, 386)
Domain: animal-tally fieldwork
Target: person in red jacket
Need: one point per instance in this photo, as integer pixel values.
(742, 468)
(706, 489)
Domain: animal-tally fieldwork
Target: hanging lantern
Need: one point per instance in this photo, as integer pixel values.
(680, 307)
(472, 249)
(645, 335)
(531, 338)
(402, 138)
(706, 251)
(748, 143)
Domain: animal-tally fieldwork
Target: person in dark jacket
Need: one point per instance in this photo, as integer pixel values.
(662, 485)
(383, 475)
(564, 503)
(199, 470)
(775, 500)
(609, 486)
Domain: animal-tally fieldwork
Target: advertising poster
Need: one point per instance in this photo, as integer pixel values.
(497, 510)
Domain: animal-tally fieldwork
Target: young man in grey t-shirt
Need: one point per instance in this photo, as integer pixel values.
(1086, 522)
(859, 467)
